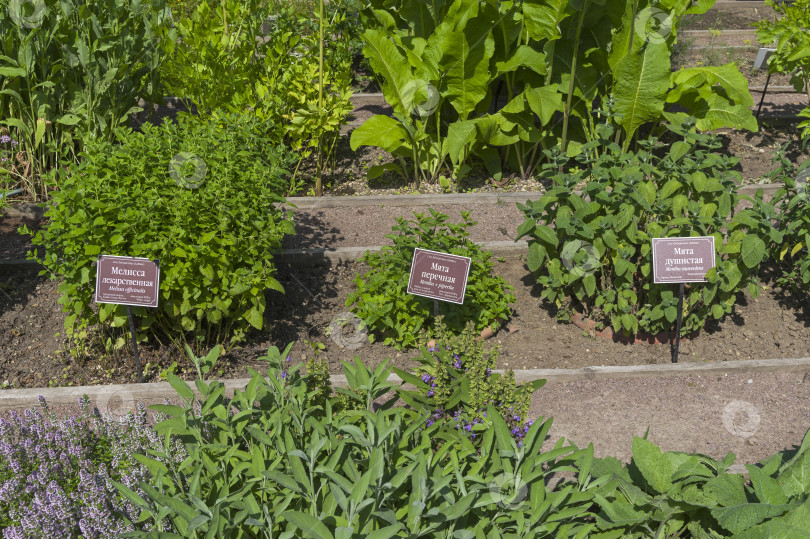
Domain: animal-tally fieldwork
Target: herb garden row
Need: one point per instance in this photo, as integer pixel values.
(581, 95)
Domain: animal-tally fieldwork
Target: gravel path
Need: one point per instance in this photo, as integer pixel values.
(752, 416)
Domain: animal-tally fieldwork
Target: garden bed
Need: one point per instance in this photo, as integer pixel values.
(754, 150)
(773, 326)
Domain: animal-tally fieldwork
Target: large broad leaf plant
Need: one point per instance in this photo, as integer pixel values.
(504, 80)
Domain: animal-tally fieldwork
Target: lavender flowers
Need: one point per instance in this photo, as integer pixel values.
(56, 474)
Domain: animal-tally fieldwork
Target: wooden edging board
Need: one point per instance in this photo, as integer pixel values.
(314, 203)
(129, 394)
(717, 33)
(320, 255)
(313, 257)
(36, 211)
(739, 4)
(317, 203)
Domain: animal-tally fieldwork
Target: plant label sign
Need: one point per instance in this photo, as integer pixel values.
(682, 260)
(439, 276)
(127, 281)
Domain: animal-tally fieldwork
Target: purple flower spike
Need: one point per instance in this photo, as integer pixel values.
(283, 374)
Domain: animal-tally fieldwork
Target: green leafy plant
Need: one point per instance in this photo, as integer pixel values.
(228, 55)
(365, 386)
(792, 202)
(790, 34)
(456, 386)
(503, 81)
(666, 494)
(215, 242)
(381, 299)
(261, 464)
(591, 250)
(71, 70)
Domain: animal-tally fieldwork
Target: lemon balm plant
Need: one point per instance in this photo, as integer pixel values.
(213, 228)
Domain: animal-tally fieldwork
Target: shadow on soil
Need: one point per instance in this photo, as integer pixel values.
(306, 293)
(16, 287)
(311, 232)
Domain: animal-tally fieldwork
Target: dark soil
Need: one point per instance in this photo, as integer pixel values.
(12, 244)
(680, 413)
(756, 151)
(728, 16)
(34, 352)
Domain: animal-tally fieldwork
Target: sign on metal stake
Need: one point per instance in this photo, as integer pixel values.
(681, 260)
(129, 281)
(440, 276)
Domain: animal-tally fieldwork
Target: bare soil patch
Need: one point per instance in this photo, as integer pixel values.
(729, 16)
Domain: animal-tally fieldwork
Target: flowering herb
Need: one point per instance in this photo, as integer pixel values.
(456, 384)
(8, 148)
(56, 474)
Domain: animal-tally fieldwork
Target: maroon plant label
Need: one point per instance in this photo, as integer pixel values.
(127, 281)
(682, 260)
(439, 275)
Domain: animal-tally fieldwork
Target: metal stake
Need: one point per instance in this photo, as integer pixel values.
(764, 91)
(678, 330)
(135, 345)
(435, 308)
